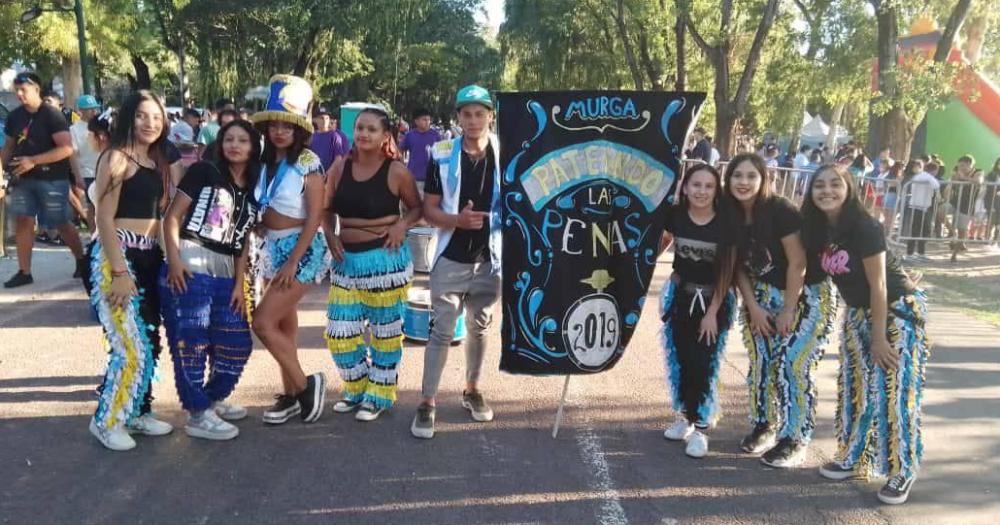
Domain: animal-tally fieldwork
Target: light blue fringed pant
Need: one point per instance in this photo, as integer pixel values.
(780, 378)
(878, 411)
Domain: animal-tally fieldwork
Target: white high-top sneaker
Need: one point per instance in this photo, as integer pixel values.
(114, 438)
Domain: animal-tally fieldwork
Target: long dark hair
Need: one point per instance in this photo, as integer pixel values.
(253, 165)
(725, 258)
(389, 149)
(300, 139)
(816, 230)
(123, 140)
(762, 213)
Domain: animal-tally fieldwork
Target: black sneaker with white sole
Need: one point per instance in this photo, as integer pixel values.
(896, 490)
(423, 422)
(759, 439)
(313, 397)
(835, 471)
(285, 407)
(476, 405)
(788, 453)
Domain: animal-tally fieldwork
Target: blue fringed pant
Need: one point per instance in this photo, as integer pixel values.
(202, 327)
(692, 364)
(780, 379)
(878, 411)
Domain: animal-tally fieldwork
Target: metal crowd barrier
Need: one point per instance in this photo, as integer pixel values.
(3, 224)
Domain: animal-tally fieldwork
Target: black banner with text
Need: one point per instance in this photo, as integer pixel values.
(586, 180)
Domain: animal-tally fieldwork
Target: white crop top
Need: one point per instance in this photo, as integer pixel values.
(288, 198)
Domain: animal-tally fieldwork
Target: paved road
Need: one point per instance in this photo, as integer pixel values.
(609, 465)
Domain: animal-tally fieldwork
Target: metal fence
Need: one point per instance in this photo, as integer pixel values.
(959, 213)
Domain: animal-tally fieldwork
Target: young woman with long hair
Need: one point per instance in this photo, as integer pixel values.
(206, 233)
(133, 177)
(372, 267)
(884, 345)
(789, 309)
(697, 305)
(293, 255)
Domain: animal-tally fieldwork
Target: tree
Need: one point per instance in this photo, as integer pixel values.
(729, 106)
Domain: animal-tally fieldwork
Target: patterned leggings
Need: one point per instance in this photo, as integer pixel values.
(782, 387)
(878, 411)
(368, 292)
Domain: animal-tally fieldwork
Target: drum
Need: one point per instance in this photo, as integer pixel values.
(422, 243)
(417, 318)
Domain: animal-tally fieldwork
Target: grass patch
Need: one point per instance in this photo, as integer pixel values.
(978, 295)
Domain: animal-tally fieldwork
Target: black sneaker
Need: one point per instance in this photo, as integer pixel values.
(20, 279)
(896, 490)
(476, 405)
(788, 453)
(423, 422)
(760, 439)
(81, 268)
(285, 408)
(835, 471)
(313, 397)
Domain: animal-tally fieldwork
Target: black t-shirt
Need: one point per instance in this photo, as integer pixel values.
(32, 133)
(695, 246)
(963, 196)
(764, 259)
(843, 260)
(221, 213)
(172, 153)
(468, 246)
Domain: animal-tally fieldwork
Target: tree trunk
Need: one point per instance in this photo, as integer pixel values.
(142, 79)
(975, 35)
(182, 79)
(955, 21)
(880, 126)
(725, 134)
(633, 65)
(72, 78)
(305, 56)
(652, 71)
(680, 30)
(898, 133)
(835, 118)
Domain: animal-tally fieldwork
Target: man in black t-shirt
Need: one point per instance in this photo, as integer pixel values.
(36, 154)
(460, 198)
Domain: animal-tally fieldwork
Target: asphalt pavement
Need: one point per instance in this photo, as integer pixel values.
(609, 464)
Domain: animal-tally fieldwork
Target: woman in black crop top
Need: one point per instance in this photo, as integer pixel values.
(206, 231)
(788, 315)
(131, 188)
(372, 267)
(697, 305)
(884, 345)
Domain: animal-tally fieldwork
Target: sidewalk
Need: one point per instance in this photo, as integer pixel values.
(52, 268)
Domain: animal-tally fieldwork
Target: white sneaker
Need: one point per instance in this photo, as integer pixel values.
(680, 430)
(697, 445)
(210, 426)
(113, 439)
(344, 406)
(229, 412)
(148, 425)
(368, 412)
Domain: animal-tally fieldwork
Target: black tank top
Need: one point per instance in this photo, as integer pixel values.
(370, 199)
(140, 195)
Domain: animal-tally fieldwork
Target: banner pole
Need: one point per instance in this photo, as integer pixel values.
(559, 413)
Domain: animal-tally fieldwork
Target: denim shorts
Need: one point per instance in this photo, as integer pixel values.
(45, 199)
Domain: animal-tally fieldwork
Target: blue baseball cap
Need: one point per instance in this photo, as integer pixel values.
(473, 94)
(87, 102)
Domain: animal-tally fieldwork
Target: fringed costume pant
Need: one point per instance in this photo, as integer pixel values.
(878, 411)
(131, 333)
(368, 292)
(693, 364)
(781, 382)
(201, 326)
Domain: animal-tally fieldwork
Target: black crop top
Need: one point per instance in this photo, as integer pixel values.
(140, 195)
(371, 199)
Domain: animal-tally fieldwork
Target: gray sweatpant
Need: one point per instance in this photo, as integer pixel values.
(455, 286)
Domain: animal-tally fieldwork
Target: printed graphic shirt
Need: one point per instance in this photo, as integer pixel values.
(843, 260)
(694, 246)
(221, 213)
(765, 258)
(32, 133)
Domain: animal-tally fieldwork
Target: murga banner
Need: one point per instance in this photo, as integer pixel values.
(587, 177)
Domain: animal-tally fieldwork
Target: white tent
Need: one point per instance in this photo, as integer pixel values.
(816, 130)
